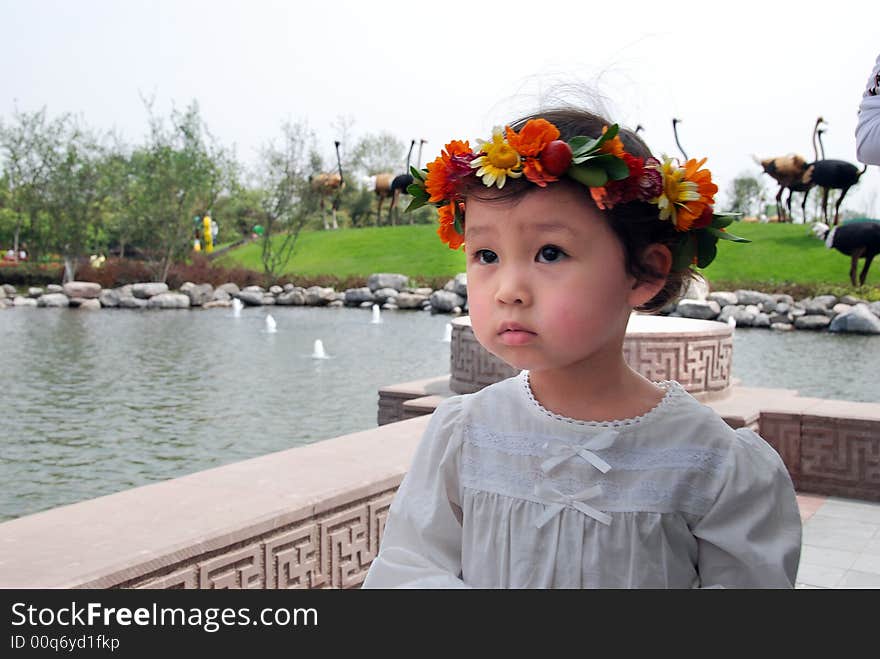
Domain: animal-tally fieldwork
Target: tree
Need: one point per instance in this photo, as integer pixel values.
(285, 195)
(182, 171)
(380, 153)
(745, 194)
(73, 194)
(119, 186)
(28, 144)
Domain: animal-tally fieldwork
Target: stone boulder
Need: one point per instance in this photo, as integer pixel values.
(296, 296)
(10, 290)
(146, 290)
(229, 287)
(251, 298)
(699, 308)
(382, 295)
(318, 296)
(90, 304)
(410, 301)
(752, 297)
(387, 280)
(697, 290)
(132, 302)
(22, 301)
(169, 301)
(55, 288)
(459, 284)
(446, 301)
(53, 300)
(723, 298)
(812, 321)
(109, 298)
(357, 296)
(35, 292)
(199, 294)
(84, 289)
(220, 295)
(858, 319)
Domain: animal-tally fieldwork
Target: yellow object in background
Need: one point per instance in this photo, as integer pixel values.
(209, 239)
(197, 246)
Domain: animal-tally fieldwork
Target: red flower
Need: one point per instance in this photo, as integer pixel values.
(704, 220)
(446, 230)
(445, 172)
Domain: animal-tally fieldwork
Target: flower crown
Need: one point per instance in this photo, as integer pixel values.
(684, 194)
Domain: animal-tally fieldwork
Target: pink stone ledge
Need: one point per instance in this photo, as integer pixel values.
(118, 538)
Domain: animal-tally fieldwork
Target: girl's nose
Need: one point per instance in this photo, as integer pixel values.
(513, 289)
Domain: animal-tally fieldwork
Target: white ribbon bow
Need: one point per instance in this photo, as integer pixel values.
(563, 451)
(557, 501)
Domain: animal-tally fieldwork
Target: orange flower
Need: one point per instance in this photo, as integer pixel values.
(613, 146)
(453, 164)
(692, 210)
(535, 172)
(446, 230)
(533, 137)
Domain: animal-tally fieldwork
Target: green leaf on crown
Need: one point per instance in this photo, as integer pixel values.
(594, 177)
(419, 197)
(706, 249)
(617, 169)
(683, 254)
(721, 220)
(418, 174)
(459, 219)
(723, 235)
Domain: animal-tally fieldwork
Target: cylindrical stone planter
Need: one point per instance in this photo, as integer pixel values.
(696, 353)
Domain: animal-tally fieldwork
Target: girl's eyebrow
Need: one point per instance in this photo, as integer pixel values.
(552, 227)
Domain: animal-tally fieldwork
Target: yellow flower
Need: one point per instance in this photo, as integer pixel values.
(498, 160)
(686, 192)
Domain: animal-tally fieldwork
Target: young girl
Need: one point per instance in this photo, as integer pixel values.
(579, 472)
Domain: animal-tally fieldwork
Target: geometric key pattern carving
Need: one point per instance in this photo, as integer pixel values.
(331, 550)
(841, 456)
(700, 361)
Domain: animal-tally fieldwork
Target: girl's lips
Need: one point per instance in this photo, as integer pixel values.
(516, 337)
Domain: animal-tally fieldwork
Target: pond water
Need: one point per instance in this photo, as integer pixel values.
(95, 403)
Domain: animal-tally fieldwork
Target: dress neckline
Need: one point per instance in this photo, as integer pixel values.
(673, 391)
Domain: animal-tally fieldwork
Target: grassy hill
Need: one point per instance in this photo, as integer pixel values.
(781, 257)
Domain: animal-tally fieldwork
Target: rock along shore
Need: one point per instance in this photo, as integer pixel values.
(391, 291)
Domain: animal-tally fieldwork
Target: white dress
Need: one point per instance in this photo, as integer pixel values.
(503, 493)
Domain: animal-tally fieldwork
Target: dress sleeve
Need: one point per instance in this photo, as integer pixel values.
(868, 126)
(751, 535)
(421, 543)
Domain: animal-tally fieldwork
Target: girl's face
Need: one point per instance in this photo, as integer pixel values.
(547, 286)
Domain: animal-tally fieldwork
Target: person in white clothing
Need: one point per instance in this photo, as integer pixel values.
(579, 472)
(868, 126)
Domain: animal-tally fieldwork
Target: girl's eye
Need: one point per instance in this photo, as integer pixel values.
(485, 256)
(550, 254)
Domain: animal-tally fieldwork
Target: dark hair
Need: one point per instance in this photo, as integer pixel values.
(636, 224)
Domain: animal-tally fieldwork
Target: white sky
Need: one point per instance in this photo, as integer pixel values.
(745, 77)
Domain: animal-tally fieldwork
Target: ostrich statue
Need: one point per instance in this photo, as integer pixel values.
(381, 185)
(329, 183)
(832, 174)
(422, 143)
(675, 123)
(800, 185)
(787, 171)
(399, 184)
(858, 239)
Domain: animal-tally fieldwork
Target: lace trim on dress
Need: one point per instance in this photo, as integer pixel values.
(673, 391)
(514, 442)
(525, 444)
(518, 482)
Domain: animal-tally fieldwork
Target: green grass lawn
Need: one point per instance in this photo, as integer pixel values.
(781, 257)
(414, 250)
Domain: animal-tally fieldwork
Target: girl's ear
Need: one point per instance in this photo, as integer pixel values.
(658, 258)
